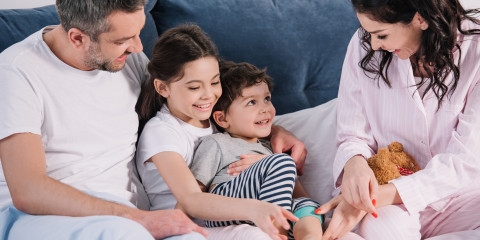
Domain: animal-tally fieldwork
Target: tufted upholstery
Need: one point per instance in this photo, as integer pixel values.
(302, 43)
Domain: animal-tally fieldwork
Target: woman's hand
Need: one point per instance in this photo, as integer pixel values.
(284, 141)
(359, 185)
(245, 161)
(270, 217)
(345, 217)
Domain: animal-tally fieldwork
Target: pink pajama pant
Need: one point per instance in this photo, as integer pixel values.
(460, 220)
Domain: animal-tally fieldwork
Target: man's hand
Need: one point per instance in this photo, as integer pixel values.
(284, 141)
(245, 161)
(345, 217)
(165, 223)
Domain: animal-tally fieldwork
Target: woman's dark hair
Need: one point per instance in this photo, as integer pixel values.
(234, 78)
(444, 18)
(175, 47)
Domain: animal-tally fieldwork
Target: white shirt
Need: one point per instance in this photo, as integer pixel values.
(163, 133)
(445, 143)
(86, 119)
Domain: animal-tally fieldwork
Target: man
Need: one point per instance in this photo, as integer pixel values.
(68, 130)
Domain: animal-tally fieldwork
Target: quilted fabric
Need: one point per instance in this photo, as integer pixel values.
(302, 43)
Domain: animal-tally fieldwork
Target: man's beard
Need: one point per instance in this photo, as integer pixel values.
(96, 60)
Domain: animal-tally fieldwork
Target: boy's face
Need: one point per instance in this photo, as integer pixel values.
(250, 116)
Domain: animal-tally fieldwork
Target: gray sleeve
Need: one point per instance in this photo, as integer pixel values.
(205, 162)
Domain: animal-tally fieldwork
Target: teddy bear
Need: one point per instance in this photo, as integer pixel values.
(392, 162)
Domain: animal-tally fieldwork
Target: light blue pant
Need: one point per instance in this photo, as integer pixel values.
(16, 225)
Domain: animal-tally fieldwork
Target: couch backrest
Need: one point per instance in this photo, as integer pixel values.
(301, 42)
(17, 24)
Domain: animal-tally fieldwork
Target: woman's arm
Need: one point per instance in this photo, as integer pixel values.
(208, 206)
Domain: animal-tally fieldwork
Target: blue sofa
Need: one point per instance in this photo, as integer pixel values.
(302, 43)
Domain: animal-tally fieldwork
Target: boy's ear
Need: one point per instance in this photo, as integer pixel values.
(220, 119)
(161, 88)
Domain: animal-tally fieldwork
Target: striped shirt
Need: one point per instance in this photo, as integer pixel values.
(445, 143)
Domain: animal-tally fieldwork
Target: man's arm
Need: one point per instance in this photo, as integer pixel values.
(283, 141)
(33, 192)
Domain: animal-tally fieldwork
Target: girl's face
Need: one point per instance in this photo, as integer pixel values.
(192, 97)
(250, 116)
(401, 39)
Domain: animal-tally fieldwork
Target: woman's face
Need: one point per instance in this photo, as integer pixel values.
(398, 38)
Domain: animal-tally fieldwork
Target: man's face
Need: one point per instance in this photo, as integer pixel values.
(111, 49)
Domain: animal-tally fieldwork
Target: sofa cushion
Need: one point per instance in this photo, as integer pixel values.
(17, 24)
(302, 43)
(316, 127)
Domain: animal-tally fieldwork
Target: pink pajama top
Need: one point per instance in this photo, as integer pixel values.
(445, 143)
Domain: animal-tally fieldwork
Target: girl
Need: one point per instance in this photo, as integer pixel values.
(412, 75)
(177, 102)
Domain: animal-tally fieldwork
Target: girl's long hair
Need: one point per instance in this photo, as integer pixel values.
(438, 43)
(175, 47)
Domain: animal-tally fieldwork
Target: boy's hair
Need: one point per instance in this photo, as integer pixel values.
(234, 78)
(90, 16)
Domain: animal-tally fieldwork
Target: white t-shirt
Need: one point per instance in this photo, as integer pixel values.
(163, 133)
(86, 119)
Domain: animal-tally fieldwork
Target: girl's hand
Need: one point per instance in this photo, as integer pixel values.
(345, 217)
(268, 216)
(359, 185)
(245, 161)
(284, 141)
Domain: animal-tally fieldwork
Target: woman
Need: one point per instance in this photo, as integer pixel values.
(411, 75)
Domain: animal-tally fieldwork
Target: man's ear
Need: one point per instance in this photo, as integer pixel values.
(221, 119)
(161, 88)
(420, 22)
(77, 38)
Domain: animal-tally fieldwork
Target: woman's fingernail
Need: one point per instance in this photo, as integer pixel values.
(317, 211)
(374, 202)
(375, 215)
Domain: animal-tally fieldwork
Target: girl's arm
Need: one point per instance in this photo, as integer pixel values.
(208, 206)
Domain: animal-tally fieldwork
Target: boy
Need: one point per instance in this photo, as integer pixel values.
(245, 114)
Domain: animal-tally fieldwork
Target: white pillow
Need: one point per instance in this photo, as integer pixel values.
(316, 127)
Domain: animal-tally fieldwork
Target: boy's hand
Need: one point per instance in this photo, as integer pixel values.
(245, 161)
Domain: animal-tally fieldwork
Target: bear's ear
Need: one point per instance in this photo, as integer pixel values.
(382, 151)
(395, 147)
